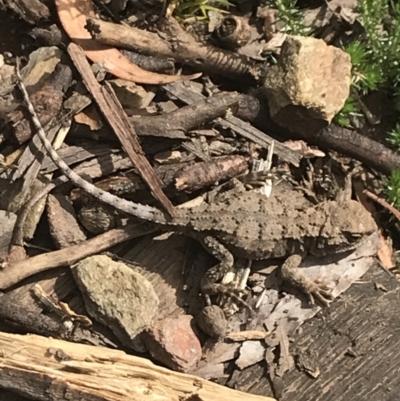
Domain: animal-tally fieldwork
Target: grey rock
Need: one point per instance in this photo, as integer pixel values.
(116, 296)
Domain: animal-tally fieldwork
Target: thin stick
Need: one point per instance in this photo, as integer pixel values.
(135, 209)
(16, 272)
(383, 203)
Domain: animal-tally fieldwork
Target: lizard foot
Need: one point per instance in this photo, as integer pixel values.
(209, 287)
(313, 289)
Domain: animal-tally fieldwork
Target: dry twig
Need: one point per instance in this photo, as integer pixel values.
(383, 203)
(120, 123)
(181, 46)
(16, 272)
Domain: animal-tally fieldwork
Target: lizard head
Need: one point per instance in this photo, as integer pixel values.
(347, 225)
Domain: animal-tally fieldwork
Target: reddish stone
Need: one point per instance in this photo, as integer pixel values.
(173, 342)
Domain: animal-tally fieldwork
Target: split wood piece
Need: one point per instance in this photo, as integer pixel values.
(16, 272)
(238, 126)
(73, 14)
(118, 120)
(18, 234)
(50, 370)
(32, 186)
(28, 321)
(177, 123)
(181, 46)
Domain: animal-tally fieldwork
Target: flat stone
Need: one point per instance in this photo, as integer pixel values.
(116, 296)
(173, 342)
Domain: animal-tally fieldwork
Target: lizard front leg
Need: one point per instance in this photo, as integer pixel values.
(210, 283)
(313, 289)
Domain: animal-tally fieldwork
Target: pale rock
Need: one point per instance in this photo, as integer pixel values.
(251, 352)
(309, 85)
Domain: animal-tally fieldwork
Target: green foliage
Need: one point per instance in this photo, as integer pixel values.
(366, 75)
(381, 21)
(375, 57)
(349, 109)
(392, 188)
(199, 9)
(394, 137)
(291, 16)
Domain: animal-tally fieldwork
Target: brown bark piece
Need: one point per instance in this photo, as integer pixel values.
(63, 225)
(29, 10)
(177, 123)
(207, 173)
(26, 320)
(118, 120)
(181, 46)
(47, 101)
(49, 369)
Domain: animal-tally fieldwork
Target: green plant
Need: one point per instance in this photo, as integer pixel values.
(349, 109)
(185, 9)
(394, 137)
(291, 17)
(366, 74)
(392, 188)
(381, 21)
(375, 56)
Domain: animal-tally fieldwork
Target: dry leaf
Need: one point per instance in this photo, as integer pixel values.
(91, 117)
(72, 14)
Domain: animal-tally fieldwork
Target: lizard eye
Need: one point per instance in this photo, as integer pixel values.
(352, 237)
(355, 235)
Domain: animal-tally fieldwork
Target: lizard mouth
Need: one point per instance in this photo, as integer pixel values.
(352, 241)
